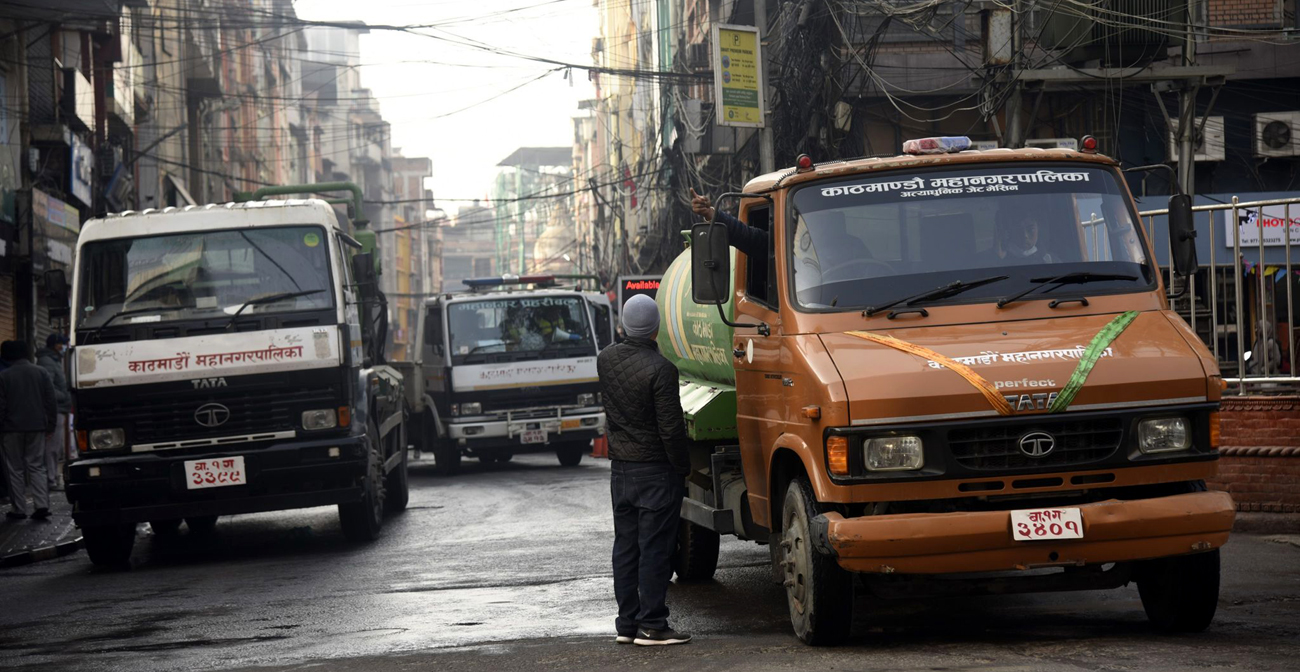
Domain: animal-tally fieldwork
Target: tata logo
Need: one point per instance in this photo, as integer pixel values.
(212, 415)
(1037, 444)
(206, 383)
(1035, 401)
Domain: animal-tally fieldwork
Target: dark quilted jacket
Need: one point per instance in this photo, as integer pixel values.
(642, 406)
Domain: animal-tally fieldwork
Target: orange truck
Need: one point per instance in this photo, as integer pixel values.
(952, 372)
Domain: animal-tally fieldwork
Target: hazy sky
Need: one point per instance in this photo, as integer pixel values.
(418, 79)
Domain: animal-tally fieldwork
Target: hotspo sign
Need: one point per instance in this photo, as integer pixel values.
(1271, 219)
(631, 285)
(738, 76)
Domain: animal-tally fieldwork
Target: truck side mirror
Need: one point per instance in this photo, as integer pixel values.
(1182, 235)
(363, 271)
(56, 293)
(710, 264)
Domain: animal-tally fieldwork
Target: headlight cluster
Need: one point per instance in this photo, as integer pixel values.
(588, 399)
(324, 418)
(884, 453)
(106, 439)
(1164, 435)
(469, 408)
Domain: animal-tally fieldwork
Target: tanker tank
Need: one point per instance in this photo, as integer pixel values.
(694, 339)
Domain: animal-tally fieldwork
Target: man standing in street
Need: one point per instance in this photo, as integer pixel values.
(27, 414)
(50, 358)
(648, 450)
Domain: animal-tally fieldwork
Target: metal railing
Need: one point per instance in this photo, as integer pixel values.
(1259, 370)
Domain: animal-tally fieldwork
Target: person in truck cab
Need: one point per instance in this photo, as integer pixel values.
(1017, 241)
(649, 463)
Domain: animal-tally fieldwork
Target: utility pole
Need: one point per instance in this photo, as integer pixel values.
(766, 145)
(1011, 136)
(1187, 112)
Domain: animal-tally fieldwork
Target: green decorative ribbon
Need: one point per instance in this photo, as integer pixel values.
(1099, 343)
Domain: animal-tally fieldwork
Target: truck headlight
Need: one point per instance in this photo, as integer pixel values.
(894, 453)
(107, 439)
(1164, 435)
(322, 418)
(587, 399)
(471, 408)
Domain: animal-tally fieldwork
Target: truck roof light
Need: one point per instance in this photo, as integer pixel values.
(1089, 144)
(940, 145)
(804, 163)
(478, 283)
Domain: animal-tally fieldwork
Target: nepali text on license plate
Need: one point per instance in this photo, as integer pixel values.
(215, 473)
(1036, 524)
(532, 436)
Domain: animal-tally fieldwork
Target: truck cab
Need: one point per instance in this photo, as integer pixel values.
(224, 361)
(948, 366)
(507, 367)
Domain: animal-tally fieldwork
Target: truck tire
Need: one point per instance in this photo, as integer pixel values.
(818, 591)
(1180, 594)
(201, 525)
(362, 520)
(696, 558)
(570, 454)
(109, 545)
(397, 486)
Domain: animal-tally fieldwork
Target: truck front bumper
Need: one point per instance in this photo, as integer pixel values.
(151, 486)
(557, 427)
(940, 543)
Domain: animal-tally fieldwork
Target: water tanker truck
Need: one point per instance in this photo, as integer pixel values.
(955, 372)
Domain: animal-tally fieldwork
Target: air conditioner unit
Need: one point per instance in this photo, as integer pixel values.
(1277, 134)
(698, 55)
(1206, 146)
(1054, 143)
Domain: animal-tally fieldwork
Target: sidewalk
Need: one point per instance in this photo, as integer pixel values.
(27, 541)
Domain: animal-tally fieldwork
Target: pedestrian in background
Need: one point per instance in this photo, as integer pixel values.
(50, 358)
(27, 413)
(649, 464)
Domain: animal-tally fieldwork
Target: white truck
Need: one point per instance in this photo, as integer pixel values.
(227, 359)
(506, 367)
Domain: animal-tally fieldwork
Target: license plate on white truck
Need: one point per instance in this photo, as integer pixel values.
(532, 436)
(1043, 524)
(215, 473)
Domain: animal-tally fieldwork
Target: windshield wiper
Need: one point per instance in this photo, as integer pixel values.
(94, 335)
(270, 298)
(1076, 278)
(942, 292)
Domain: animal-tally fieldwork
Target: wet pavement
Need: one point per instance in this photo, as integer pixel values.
(506, 567)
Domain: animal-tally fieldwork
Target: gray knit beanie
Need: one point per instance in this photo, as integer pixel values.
(640, 317)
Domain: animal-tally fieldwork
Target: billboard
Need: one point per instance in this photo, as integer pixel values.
(738, 76)
(1272, 219)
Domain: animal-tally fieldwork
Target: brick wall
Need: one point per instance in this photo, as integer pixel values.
(1259, 460)
(1245, 12)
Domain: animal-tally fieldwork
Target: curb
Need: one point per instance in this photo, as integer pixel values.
(1266, 523)
(31, 555)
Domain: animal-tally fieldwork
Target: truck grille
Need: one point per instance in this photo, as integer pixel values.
(171, 419)
(1076, 442)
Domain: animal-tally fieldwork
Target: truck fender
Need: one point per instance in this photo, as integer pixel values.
(437, 421)
(785, 450)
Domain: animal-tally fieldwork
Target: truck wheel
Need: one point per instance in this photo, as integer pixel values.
(363, 520)
(696, 558)
(397, 486)
(570, 454)
(819, 592)
(166, 529)
(1180, 594)
(109, 545)
(201, 524)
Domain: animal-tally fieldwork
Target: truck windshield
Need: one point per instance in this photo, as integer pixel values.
(539, 327)
(208, 274)
(865, 241)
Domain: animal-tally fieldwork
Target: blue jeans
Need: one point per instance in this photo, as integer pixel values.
(647, 498)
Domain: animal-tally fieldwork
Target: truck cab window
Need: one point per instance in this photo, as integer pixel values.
(760, 274)
(433, 329)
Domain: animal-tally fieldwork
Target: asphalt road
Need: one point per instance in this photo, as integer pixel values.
(506, 567)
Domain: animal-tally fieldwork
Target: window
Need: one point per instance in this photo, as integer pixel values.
(760, 274)
(433, 327)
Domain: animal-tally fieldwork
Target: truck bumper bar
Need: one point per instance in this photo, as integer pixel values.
(1113, 531)
(151, 486)
(509, 428)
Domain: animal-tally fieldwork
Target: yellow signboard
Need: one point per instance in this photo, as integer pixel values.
(738, 76)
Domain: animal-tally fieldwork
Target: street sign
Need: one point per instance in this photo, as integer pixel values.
(738, 76)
